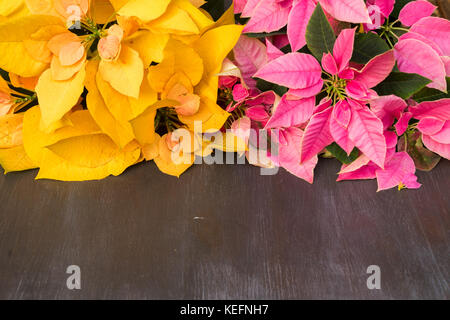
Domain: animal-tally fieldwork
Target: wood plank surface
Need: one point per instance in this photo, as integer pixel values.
(223, 232)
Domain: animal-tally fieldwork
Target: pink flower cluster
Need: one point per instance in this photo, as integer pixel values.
(335, 101)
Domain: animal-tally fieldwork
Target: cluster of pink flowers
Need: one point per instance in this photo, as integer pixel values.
(325, 101)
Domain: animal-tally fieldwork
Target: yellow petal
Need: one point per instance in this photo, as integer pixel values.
(151, 151)
(4, 86)
(147, 97)
(22, 82)
(178, 57)
(227, 18)
(14, 57)
(13, 8)
(37, 45)
(198, 3)
(222, 39)
(44, 7)
(175, 20)
(201, 20)
(149, 45)
(80, 152)
(120, 132)
(56, 98)
(126, 74)
(11, 130)
(101, 11)
(86, 151)
(61, 73)
(166, 165)
(117, 103)
(144, 127)
(144, 9)
(15, 159)
(228, 142)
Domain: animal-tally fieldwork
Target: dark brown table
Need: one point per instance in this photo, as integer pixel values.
(223, 232)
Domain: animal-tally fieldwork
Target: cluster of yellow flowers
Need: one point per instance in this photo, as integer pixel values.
(104, 79)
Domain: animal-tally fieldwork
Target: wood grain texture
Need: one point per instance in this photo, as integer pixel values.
(223, 232)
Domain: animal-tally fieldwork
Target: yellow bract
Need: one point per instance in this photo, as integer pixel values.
(58, 97)
(126, 74)
(101, 94)
(143, 9)
(14, 56)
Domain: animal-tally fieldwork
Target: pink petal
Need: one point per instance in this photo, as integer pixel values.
(240, 92)
(298, 21)
(289, 156)
(388, 108)
(343, 48)
(354, 11)
(239, 5)
(280, 41)
(268, 16)
(329, 64)
(430, 126)
(417, 36)
(376, 70)
(360, 162)
(347, 74)
(364, 173)
(250, 55)
(398, 170)
(391, 139)
(317, 135)
(366, 131)
(342, 113)
(414, 11)
(440, 148)
(340, 135)
(357, 90)
(414, 56)
(439, 109)
(257, 113)
(443, 136)
(446, 61)
(402, 123)
(307, 92)
(241, 128)
(436, 30)
(386, 6)
(291, 111)
(293, 70)
(250, 7)
(272, 51)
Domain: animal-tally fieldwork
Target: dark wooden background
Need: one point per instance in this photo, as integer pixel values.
(223, 232)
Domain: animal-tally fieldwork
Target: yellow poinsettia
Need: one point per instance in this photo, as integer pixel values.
(112, 80)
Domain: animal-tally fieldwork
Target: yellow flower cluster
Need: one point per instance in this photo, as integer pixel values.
(91, 85)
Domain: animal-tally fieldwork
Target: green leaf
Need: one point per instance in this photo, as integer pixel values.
(399, 4)
(429, 94)
(265, 35)
(403, 85)
(320, 37)
(268, 86)
(368, 46)
(341, 155)
(424, 159)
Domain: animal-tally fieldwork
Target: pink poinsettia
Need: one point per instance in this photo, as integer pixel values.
(343, 118)
(425, 49)
(272, 15)
(433, 117)
(434, 124)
